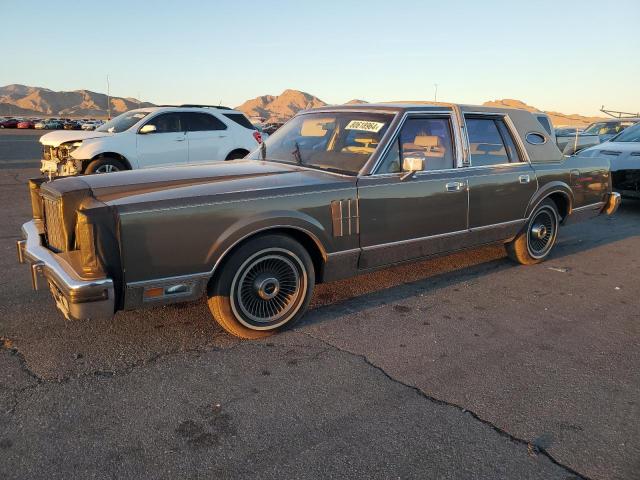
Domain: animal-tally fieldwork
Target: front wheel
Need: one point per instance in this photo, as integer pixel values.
(538, 238)
(263, 287)
(104, 165)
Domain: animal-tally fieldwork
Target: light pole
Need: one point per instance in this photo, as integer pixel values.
(108, 100)
(435, 93)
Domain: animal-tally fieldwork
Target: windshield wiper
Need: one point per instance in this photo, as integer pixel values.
(296, 154)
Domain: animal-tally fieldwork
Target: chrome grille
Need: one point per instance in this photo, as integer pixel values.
(53, 224)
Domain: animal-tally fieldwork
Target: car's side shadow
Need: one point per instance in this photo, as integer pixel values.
(402, 282)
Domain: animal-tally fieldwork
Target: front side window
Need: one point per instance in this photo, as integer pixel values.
(202, 122)
(490, 142)
(429, 139)
(335, 141)
(166, 123)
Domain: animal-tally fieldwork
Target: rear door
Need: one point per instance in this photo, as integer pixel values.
(209, 138)
(406, 217)
(165, 146)
(501, 180)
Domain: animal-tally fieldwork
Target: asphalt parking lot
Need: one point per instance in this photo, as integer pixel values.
(461, 367)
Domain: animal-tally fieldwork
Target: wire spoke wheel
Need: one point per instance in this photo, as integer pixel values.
(542, 232)
(268, 289)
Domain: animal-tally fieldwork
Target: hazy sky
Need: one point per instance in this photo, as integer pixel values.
(569, 56)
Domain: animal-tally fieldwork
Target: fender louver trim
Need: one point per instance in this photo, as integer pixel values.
(345, 217)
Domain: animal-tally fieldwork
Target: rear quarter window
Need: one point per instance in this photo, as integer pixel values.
(240, 119)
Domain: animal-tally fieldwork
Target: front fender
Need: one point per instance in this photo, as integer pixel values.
(269, 220)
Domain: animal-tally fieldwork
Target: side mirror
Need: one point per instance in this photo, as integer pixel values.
(411, 165)
(148, 128)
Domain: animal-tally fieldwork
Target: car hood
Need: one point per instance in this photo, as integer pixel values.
(622, 155)
(172, 187)
(55, 139)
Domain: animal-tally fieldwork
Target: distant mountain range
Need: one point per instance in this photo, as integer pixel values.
(23, 100)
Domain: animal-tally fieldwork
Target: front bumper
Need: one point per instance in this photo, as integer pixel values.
(76, 298)
(612, 203)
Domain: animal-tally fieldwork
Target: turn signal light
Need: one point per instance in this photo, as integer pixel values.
(154, 292)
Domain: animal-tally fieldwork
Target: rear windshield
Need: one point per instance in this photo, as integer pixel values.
(240, 119)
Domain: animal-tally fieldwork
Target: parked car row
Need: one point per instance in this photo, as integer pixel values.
(50, 123)
(333, 193)
(571, 140)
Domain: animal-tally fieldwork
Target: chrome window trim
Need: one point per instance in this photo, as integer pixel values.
(420, 114)
(419, 176)
(510, 127)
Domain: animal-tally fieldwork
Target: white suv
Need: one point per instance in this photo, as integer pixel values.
(151, 137)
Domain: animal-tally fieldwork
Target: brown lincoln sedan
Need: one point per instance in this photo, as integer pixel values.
(335, 192)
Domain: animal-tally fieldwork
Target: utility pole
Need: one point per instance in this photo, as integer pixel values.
(108, 100)
(435, 93)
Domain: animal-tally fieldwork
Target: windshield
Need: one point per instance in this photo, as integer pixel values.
(604, 128)
(337, 141)
(122, 122)
(631, 134)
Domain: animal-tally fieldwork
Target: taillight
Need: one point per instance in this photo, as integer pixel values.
(258, 136)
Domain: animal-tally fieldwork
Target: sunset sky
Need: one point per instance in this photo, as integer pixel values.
(566, 56)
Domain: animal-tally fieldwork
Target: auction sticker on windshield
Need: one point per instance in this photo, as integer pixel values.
(364, 126)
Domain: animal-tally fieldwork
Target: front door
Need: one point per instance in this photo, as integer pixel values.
(164, 146)
(501, 181)
(407, 217)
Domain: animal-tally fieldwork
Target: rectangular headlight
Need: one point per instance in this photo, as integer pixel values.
(86, 243)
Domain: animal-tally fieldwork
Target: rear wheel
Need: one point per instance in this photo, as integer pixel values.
(538, 238)
(104, 165)
(263, 287)
(237, 154)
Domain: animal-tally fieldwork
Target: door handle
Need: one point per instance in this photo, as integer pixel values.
(524, 178)
(454, 186)
(180, 139)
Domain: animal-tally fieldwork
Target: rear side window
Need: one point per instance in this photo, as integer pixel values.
(490, 142)
(202, 122)
(544, 121)
(240, 119)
